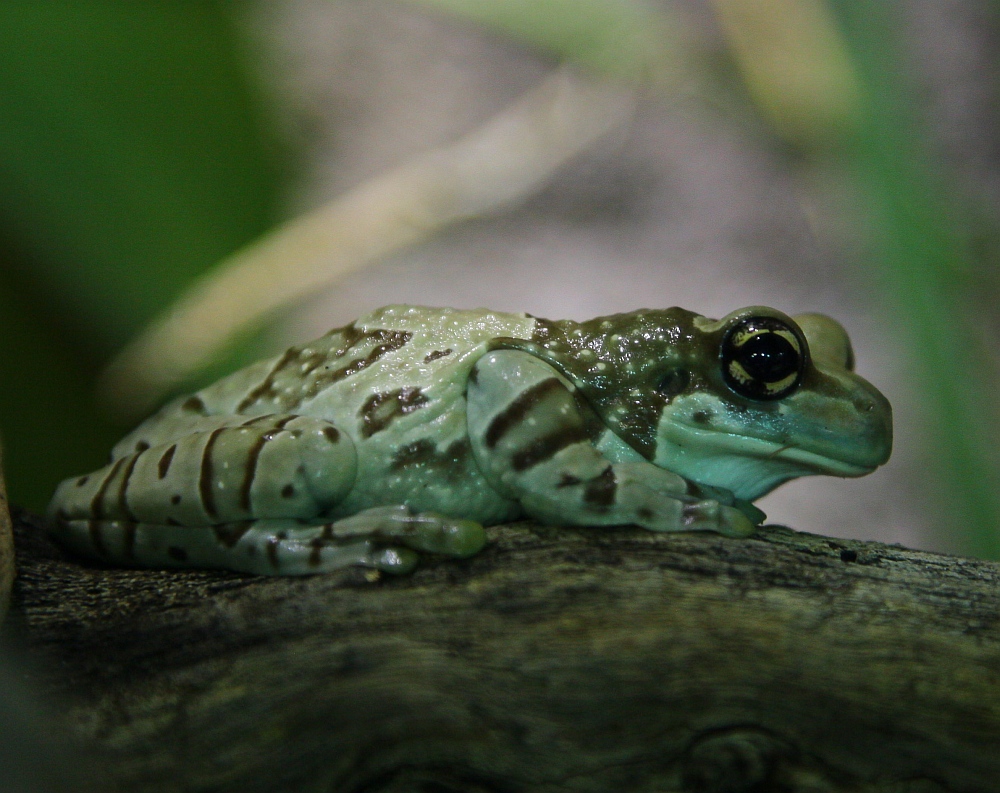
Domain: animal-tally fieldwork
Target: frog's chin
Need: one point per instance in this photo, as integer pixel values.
(748, 467)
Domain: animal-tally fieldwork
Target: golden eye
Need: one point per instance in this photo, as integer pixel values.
(762, 358)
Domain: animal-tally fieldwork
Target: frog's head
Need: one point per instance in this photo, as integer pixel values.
(743, 403)
(758, 398)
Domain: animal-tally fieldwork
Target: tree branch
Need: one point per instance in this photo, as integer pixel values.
(556, 660)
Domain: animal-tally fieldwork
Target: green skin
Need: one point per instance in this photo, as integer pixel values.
(412, 428)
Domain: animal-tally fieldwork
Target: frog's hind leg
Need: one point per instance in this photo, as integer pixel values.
(384, 538)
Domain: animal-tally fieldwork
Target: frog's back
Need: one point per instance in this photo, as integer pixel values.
(400, 366)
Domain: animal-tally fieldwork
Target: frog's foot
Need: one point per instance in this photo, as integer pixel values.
(713, 516)
(384, 538)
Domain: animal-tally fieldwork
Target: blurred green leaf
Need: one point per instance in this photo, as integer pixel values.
(133, 155)
(926, 268)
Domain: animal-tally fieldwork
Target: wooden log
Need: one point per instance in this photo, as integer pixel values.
(558, 659)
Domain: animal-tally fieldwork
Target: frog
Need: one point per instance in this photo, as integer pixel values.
(409, 430)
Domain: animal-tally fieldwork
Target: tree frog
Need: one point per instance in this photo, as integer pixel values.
(411, 428)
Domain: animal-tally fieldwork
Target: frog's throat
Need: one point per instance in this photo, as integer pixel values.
(748, 467)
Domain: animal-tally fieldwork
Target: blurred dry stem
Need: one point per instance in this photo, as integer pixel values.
(796, 65)
(503, 161)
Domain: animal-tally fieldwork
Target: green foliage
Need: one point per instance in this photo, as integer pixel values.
(132, 156)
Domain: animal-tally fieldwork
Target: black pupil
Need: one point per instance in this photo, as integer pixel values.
(768, 357)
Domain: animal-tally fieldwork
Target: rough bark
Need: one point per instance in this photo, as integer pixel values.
(6, 546)
(556, 660)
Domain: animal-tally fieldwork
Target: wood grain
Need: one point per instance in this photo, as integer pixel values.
(556, 660)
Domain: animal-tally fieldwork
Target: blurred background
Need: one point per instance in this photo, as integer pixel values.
(567, 158)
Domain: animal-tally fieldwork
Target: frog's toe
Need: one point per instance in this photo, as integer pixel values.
(440, 534)
(394, 560)
(712, 516)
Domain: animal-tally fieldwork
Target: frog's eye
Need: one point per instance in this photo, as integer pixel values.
(762, 358)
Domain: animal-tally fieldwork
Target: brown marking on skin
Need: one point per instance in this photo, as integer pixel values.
(82, 481)
(166, 458)
(177, 554)
(173, 522)
(547, 447)
(230, 533)
(600, 492)
(644, 513)
(316, 545)
(519, 408)
(253, 456)
(97, 502)
(266, 387)
(128, 540)
(205, 482)
(288, 491)
(473, 377)
(175, 498)
(433, 356)
(380, 409)
(123, 490)
(421, 451)
(257, 419)
(141, 446)
(701, 417)
(332, 434)
(96, 537)
(296, 434)
(568, 480)
(385, 341)
(194, 404)
(272, 551)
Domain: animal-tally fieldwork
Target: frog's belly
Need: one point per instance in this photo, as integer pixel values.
(428, 478)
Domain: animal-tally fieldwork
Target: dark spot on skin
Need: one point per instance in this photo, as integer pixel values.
(433, 356)
(82, 481)
(316, 545)
(296, 434)
(175, 498)
(847, 555)
(547, 447)
(412, 454)
(178, 554)
(600, 492)
(568, 480)
(473, 377)
(644, 513)
(141, 446)
(230, 533)
(379, 410)
(511, 415)
(287, 491)
(123, 507)
(332, 434)
(701, 417)
(194, 405)
(172, 522)
(166, 459)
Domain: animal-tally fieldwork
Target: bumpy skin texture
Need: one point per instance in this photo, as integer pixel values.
(411, 428)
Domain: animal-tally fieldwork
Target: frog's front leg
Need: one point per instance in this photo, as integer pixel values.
(530, 437)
